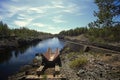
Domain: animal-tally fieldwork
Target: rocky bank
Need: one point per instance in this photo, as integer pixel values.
(16, 42)
(99, 66)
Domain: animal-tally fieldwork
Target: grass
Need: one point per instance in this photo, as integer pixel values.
(78, 62)
(96, 40)
(96, 54)
(44, 77)
(67, 48)
(71, 54)
(74, 54)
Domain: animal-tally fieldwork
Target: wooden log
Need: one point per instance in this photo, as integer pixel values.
(32, 77)
(40, 70)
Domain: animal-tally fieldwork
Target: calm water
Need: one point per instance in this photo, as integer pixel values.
(11, 62)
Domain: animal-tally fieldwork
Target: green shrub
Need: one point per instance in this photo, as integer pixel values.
(71, 54)
(78, 62)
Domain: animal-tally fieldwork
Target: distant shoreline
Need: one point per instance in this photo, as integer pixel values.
(16, 42)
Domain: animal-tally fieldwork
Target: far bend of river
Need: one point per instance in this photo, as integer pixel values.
(11, 62)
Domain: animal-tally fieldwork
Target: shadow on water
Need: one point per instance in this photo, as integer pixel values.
(8, 54)
(22, 50)
(4, 57)
(11, 61)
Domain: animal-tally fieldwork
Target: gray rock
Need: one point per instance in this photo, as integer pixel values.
(25, 68)
(100, 63)
(81, 72)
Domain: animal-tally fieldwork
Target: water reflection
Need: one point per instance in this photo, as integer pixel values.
(11, 61)
(7, 55)
(53, 44)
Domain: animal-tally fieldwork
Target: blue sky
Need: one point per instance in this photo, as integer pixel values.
(50, 16)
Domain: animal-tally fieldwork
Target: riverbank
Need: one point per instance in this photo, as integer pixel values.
(7, 44)
(11, 62)
(83, 40)
(80, 65)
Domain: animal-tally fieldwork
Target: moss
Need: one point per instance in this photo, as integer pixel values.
(78, 62)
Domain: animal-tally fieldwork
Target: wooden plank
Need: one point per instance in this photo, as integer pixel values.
(40, 69)
(35, 77)
(57, 70)
(32, 77)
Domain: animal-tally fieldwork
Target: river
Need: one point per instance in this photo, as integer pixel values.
(11, 61)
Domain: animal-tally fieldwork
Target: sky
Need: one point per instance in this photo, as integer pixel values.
(50, 16)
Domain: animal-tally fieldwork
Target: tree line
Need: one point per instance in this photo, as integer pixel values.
(23, 32)
(74, 32)
(107, 25)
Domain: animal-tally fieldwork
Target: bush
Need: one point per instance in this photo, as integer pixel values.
(78, 62)
(71, 54)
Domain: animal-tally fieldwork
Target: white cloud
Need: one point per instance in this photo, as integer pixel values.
(20, 18)
(51, 28)
(21, 15)
(38, 9)
(11, 10)
(25, 13)
(56, 29)
(24, 10)
(57, 7)
(72, 8)
(15, 0)
(1, 18)
(39, 24)
(58, 19)
(58, 4)
(22, 23)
